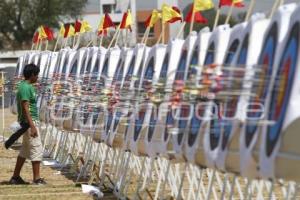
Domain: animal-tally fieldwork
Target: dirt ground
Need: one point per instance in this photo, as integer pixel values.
(59, 186)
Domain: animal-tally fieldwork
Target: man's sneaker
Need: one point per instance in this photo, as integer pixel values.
(17, 181)
(39, 181)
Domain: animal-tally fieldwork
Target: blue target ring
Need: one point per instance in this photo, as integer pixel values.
(139, 121)
(117, 120)
(152, 124)
(195, 125)
(282, 89)
(266, 59)
(169, 122)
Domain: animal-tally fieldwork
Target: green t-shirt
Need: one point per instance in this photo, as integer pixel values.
(27, 92)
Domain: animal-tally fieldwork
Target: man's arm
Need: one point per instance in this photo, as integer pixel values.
(26, 113)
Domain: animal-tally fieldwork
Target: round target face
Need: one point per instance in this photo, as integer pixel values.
(152, 124)
(95, 70)
(82, 69)
(192, 72)
(231, 52)
(148, 76)
(108, 122)
(230, 106)
(104, 72)
(169, 123)
(260, 90)
(130, 70)
(194, 59)
(73, 69)
(281, 92)
(139, 74)
(95, 116)
(181, 66)
(195, 124)
(118, 74)
(164, 69)
(210, 56)
(117, 120)
(139, 121)
(215, 127)
(183, 120)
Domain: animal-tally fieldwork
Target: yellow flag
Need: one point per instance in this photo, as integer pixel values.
(85, 27)
(155, 16)
(129, 20)
(200, 5)
(71, 31)
(168, 13)
(100, 27)
(42, 33)
(62, 30)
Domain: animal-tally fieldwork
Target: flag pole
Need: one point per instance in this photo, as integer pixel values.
(101, 40)
(117, 38)
(181, 29)
(126, 38)
(32, 46)
(163, 33)
(111, 42)
(217, 18)
(193, 21)
(281, 2)
(275, 6)
(229, 13)
(250, 10)
(145, 34)
(55, 46)
(47, 43)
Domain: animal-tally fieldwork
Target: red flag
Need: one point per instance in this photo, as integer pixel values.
(77, 26)
(198, 18)
(236, 3)
(36, 37)
(126, 21)
(49, 33)
(175, 18)
(104, 32)
(107, 22)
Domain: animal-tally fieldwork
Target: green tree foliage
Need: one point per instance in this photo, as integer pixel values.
(210, 16)
(20, 18)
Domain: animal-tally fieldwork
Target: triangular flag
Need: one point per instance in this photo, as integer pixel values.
(236, 3)
(126, 21)
(42, 33)
(105, 23)
(198, 18)
(62, 30)
(153, 18)
(36, 37)
(85, 27)
(69, 30)
(170, 14)
(200, 5)
(49, 33)
(108, 22)
(77, 26)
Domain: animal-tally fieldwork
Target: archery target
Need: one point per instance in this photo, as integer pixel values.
(149, 78)
(131, 84)
(279, 153)
(221, 126)
(192, 145)
(77, 64)
(216, 51)
(154, 139)
(177, 77)
(246, 60)
(119, 77)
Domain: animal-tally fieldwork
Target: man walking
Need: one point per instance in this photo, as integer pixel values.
(28, 114)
